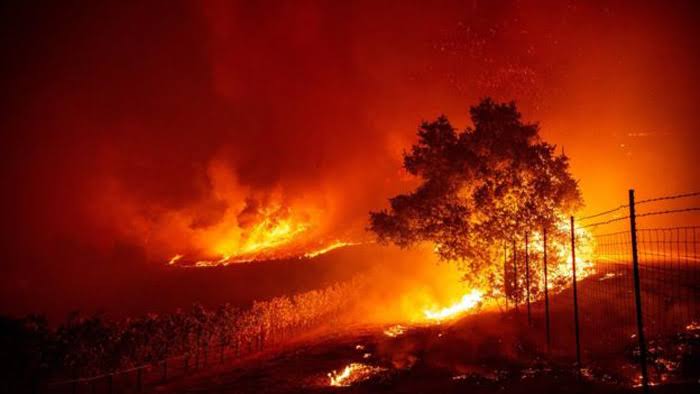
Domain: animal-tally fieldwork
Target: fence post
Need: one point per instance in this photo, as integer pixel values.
(527, 280)
(139, 385)
(546, 290)
(110, 383)
(573, 276)
(515, 278)
(637, 296)
(165, 370)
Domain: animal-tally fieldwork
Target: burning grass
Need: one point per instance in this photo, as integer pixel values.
(353, 373)
(395, 331)
(468, 302)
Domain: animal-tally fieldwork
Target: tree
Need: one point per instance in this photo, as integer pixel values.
(487, 184)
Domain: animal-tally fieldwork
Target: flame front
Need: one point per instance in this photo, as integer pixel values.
(468, 301)
(326, 249)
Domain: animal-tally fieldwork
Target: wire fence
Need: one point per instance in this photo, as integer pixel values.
(629, 311)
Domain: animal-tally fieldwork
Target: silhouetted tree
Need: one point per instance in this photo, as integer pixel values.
(486, 184)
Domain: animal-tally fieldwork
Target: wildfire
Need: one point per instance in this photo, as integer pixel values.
(270, 252)
(271, 233)
(352, 373)
(174, 259)
(468, 301)
(559, 259)
(326, 249)
(395, 331)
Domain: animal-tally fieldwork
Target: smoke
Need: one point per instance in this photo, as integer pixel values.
(180, 127)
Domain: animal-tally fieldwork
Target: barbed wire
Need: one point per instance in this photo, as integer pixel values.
(604, 222)
(96, 377)
(602, 213)
(666, 228)
(641, 215)
(672, 197)
(692, 209)
(117, 372)
(649, 200)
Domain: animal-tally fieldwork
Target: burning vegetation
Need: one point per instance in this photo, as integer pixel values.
(479, 188)
(353, 373)
(467, 302)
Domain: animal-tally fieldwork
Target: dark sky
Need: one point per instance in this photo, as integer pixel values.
(146, 129)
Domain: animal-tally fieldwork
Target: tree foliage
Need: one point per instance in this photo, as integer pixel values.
(479, 187)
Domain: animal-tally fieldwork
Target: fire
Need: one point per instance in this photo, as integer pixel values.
(326, 249)
(268, 252)
(262, 229)
(352, 373)
(266, 235)
(558, 259)
(395, 331)
(174, 259)
(468, 301)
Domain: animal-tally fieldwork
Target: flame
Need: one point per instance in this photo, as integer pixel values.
(270, 233)
(263, 229)
(326, 249)
(267, 235)
(174, 259)
(559, 259)
(468, 301)
(270, 250)
(352, 373)
(395, 331)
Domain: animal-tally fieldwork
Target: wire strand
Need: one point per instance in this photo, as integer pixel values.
(664, 198)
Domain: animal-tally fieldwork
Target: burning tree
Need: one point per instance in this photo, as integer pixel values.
(481, 187)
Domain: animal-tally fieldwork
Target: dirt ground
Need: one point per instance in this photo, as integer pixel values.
(468, 356)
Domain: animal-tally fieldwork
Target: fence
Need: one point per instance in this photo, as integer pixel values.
(623, 302)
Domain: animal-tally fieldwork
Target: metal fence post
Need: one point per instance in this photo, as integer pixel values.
(637, 296)
(527, 280)
(546, 289)
(139, 385)
(573, 276)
